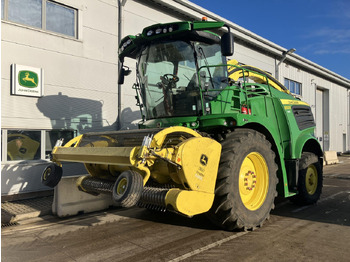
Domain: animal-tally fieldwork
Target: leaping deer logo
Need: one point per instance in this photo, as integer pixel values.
(27, 78)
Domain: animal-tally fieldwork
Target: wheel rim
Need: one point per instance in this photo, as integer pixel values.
(46, 173)
(311, 180)
(122, 186)
(253, 181)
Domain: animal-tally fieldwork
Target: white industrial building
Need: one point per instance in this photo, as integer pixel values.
(70, 50)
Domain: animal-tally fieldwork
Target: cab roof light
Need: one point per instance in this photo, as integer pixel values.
(126, 43)
(160, 29)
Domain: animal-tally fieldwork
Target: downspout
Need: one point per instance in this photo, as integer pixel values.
(314, 85)
(121, 4)
(348, 117)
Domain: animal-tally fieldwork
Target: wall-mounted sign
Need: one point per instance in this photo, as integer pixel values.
(27, 81)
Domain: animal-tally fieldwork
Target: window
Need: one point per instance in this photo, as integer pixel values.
(43, 14)
(26, 12)
(292, 86)
(23, 145)
(60, 19)
(2, 9)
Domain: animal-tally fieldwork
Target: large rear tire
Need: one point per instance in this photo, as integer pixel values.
(310, 180)
(246, 183)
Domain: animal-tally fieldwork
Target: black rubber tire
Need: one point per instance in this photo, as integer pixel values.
(303, 197)
(128, 188)
(51, 175)
(228, 210)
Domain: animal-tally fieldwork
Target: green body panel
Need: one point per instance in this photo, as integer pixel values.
(130, 45)
(252, 105)
(207, 25)
(301, 140)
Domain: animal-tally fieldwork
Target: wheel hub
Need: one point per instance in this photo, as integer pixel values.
(253, 181)
(311, 180)
(250, 180)
(47, 171)
(122, 186)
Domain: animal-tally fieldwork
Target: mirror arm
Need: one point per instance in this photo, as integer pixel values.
(228, 28)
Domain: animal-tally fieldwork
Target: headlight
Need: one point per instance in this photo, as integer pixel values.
(127, 42)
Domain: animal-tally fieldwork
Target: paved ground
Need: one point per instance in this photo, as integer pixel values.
(341, 170)
(15, 211)
(313, 233)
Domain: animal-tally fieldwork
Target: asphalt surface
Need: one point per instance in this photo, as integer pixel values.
(310, 233)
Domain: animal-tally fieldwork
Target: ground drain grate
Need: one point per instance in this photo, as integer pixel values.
(11, 224)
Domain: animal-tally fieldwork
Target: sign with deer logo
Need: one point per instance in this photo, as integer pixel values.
(27, 81)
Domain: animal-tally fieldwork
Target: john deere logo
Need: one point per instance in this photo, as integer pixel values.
(204, 160)
(28, 79)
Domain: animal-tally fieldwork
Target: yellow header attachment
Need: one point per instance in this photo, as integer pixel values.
(177, 155)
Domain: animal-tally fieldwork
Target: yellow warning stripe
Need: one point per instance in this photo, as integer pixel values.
(293, 102)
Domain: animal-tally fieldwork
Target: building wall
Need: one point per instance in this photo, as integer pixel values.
(80, 78)
(80, 84)
(83, 69)
(335, 108)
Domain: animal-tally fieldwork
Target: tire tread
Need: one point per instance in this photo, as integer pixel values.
(224, 212)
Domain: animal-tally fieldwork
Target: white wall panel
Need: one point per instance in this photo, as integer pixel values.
(101, 15)
(251, 57)
(335, 108)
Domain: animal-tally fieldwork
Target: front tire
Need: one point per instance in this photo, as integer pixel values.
(246, 183)
(310, 180)
(128, 188)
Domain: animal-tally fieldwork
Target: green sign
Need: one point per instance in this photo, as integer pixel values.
(28, 79)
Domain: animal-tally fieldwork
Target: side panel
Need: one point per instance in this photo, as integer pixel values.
(270, 120)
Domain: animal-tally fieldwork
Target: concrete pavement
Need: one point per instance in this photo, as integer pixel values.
(13, 212)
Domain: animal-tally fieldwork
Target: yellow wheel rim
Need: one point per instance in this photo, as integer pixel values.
(122, 186)
(253, 181)
(311, 180)
(47, 171)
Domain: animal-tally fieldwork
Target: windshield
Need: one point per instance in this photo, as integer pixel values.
(168, 76)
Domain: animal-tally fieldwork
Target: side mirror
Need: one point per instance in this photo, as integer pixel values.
(124, 71)
(227, 44)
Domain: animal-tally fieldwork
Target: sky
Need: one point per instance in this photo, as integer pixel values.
(319, 30)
